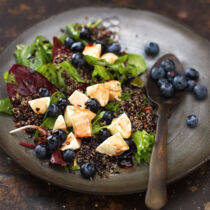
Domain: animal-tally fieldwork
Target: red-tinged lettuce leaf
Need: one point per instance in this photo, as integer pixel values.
(27, 82)
(59, 48)
(56, 158)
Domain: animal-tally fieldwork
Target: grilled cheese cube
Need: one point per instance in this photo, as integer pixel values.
(92, 50)
(71, 110)
(59, 123)
(113, 146)
(81, 125)
(109, 57)
(40, 105)
(71, 143)
(78, 98)
(122, 124)
(115, 90)
(99, 92)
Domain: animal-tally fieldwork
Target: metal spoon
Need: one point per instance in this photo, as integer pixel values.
(156, 195)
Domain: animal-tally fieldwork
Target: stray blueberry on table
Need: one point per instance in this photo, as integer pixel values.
(87, 170)
(190, 85)
(77, 47)
(40, 151)
(200, 92)
(60, 134)
(167, 90)
(162, 81)
(192, 121)
(103, 134)
(191, 73)
(114, 48)
(168, 65)
(158, 73)
(78, 60)
(43, 92)
(108, 117)
(69, 155)
(93, 105)
(170, 75)
(179, 83)
(151, 49)
(85, 33)
(53, 111)
(68, 42)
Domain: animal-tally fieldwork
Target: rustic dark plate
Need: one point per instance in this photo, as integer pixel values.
(187, 148)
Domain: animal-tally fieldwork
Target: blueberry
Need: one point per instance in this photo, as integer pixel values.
(78, 60)
(85, 33)
(108, 117)
(158, 73)
(162, 81)
(52, 143)
(192, 121)
(200, 92)
(191, 73)
(87, 170)
(151, 49)
(167, 90)
(40, 151)
(77, 47)
(129, 142)
(93, 105)
(68, 42)
(69, 155)
(114, 48)
(170, 75)
(53, 111)
(60, 134)
(179, 83)
(103, 46)
(190, 85)
(43, 92)
(168, 65)
(62, 103)
(104, 133)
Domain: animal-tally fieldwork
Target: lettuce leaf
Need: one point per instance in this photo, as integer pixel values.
(100, 71)
(96, 122)
(54, 73)
(6, 106)
(112, 106)
(35, 54)
(144, 143)
(73, 30)
(94, 24)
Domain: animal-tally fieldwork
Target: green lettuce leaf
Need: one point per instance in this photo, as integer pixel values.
(54, 73)
(35, 54)
(100, 71)
(94, 24)
(144, 143)
(112, 106)
(125, 96)
(10, 78)
(96, 122)
(73, 30)
(6, 106)
(62, 38)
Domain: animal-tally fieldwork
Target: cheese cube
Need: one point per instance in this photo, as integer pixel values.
(92, 50)
(40, 105)
(114, 88)
(122, 124)
(113, 146)
(78, 98)
(59, 123)
(71, 110)
(81, 125)
(109, 57)
(99, 92)
(71, 143)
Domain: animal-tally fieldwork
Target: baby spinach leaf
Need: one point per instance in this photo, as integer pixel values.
(113, 106)
(94, 24)
(96, 122)
(144, 143)
(48, 122)
(100, 71)
(125, 96)
(75, 32)
(6, 106)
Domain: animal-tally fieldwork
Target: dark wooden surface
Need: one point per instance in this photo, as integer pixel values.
(20, 190)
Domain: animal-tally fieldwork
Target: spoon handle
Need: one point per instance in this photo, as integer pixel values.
(156, 194)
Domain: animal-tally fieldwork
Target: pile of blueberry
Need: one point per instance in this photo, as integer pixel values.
(76, 47)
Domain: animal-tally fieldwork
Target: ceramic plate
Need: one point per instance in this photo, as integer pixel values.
(187, 148)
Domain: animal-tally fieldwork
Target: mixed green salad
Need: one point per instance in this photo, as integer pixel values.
(82, 101)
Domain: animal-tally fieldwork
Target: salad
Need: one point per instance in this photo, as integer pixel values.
(82, 101)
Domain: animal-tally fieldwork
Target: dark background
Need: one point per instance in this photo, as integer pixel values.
(20, 190)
